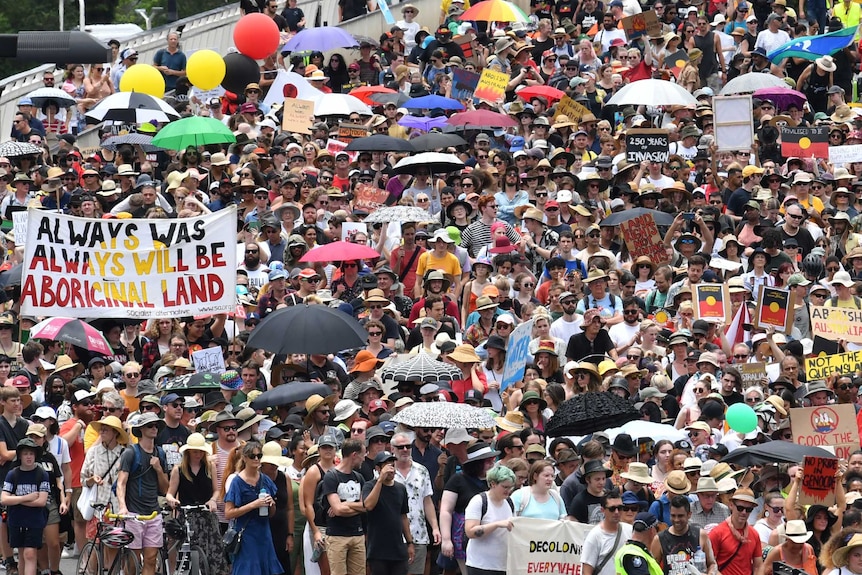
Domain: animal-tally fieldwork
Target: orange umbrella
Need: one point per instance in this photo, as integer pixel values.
(364, 93)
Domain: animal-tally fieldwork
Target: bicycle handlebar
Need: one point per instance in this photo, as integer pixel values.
(149, 517)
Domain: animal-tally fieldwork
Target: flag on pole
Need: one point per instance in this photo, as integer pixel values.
(813, 47)
(735, 332)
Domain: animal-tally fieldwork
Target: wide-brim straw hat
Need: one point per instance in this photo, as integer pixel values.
(314, 403)
(465, 353)
(114, 423)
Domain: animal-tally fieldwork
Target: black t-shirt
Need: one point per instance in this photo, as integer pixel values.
(352, 8)
(293, 16)
(540, 47)
(802, 237)
(466, 487)
(734, 397)
(385, 541)
(348, 488)
(11, 435)
(579, 346)
(586, 19)
(19, 482)
(542, 8)
(586, 508)
(171, 439)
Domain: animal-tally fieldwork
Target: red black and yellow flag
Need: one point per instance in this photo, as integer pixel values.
(805, 142)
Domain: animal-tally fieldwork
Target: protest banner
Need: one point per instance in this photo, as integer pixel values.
(492, 85)
(368, 198)
(349, 132)
(805, 142)
(350, 229)
(19, 225)
(545, 546)
(80, 267)
(572, 109)
(208, 360)
(822, 366)
(643, 24)
(298, 116)
(464, 83)
(827, 426)
(711, 302)
(752, 373)
(834, 323)
(846, 154)
(643, 238)
(516, 357)
(734, 122)
(647, 144)
(818, 481)
(774, 308)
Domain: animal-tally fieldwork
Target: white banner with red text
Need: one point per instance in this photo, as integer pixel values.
(545, 546)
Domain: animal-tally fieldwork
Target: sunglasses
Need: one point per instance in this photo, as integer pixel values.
(256, 456)
(615, 508)
(743, 509)
(151, 426)
(150, 407)
(403, 447)
(229, 427)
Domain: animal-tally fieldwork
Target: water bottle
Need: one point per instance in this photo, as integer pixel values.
(699, 559)
(264, 511)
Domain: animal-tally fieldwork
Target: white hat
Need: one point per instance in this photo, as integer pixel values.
(442, 235)
(842, 278)
(344, 409)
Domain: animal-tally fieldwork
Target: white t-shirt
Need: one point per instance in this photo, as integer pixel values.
(608, 36)
(599, 544)
(565, 329)
(769, 41)
(623, 333)
(660, 183)
(489, 551)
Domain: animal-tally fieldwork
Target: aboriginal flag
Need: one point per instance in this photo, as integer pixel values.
(710, 302)
(805, 142)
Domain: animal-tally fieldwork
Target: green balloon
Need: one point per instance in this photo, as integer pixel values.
(741, 418)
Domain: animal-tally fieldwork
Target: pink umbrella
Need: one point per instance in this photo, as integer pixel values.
(781, 96)
(72, 331)
(339, 252)
(482, 118)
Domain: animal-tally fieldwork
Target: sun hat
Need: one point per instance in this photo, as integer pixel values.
(593, 466)
(839, 557)
(624, 445)
(271, 452)
(114, 423)
(37, 429)
(706, 485)
(677, 483)
(744, 494)
(479, 451)
(692, 464)
(144, 419)
(314, 403)
(344, 409)
(513, 422)
(532, 396)
(465, 353)
(197, 442)
(638, 472)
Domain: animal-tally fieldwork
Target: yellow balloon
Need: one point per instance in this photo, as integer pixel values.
(143, 78)
(205, 69)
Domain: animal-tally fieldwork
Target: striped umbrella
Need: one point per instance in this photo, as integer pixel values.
(494, 11)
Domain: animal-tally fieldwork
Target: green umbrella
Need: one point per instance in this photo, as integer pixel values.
(193, 131)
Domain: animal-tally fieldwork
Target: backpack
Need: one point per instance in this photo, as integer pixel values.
(484, 496)
(138, 470)
(833, 302)
(527, 494)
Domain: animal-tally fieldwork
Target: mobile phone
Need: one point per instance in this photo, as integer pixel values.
(688, 216)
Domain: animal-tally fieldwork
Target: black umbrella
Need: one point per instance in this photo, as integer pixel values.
(421, 367)
(192, 383)
(308, 329)
(590, 412)
(380, 143)
(11, 277)
(436, 141)
(617, 218)
(290, 393)
(773, 452)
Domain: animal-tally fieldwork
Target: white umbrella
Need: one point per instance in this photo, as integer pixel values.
(304, 90)
(652, 92)
(42, 95)
(436, 162)
(748, 83)
(133, 108)
(340, 105)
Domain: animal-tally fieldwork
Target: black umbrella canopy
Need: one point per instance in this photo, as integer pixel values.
(773, 452)
(308, 329)
(380, 143)
(436, 141)
(290, 393)
(590, 412)
(617, 218)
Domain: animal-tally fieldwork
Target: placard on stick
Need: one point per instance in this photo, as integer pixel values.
(774, 308)
(492, 85)
(298, 116)
(349, 132)
(828, 426)
(643, 24)
(834, 323)
(208, 360)
(572, 109)
(818, 481)
(734, 123)
(647, 144)
(711, 302)
(643, 238)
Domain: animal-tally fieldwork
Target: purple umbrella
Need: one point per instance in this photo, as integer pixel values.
(320, 39)
(421, 123)
(782, 97)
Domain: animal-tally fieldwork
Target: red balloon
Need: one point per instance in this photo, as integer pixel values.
(256, 35)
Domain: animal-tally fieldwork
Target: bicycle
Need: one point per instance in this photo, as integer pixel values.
(109, 534)
(190, 557)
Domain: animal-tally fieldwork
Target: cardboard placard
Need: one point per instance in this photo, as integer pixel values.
(572, 109)
(643, 24)
(466, 44)
(775, 308)
(734, 123)
(823, 366)
(829, 426)
(464, 83)
(19, 225)
(492, 85)
(711, 302)
(846, 154)
(208, 360)
(643, 239)
(647, 144)
(805, 142)
(350, 229)
(369, 198)
(752, 373)
(834, 323)
(818, 481)
(298, 116)
(518, 350)
(349, 132)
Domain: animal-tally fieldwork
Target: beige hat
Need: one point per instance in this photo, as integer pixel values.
(513, 422)
(114, 423)
(744, 494)
(272, 454)
(706, 485)
(638, 472)
(677, 483)
(197, 442)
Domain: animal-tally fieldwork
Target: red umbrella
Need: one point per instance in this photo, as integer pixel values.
(364, 93)
(339, 252)
(482, 118)
(74, 331)
(549, 92)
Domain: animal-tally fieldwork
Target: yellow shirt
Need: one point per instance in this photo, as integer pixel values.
(448, 264)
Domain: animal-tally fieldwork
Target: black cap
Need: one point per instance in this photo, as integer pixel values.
(384, 457)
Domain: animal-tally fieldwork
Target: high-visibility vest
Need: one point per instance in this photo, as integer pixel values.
(630, 549)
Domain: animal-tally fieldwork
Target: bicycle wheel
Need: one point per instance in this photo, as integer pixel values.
(90, 560)
(126, 563)
(199, 563)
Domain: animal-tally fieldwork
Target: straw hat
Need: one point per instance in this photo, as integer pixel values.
(677, 483)
(197, 442)
(311, 457)
(114, 423)
(638, 472)
(839, 557)
(465, 353)
(314, 403)
(272, 454)
(513, 422)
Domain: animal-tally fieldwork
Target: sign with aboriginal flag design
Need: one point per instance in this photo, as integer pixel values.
(805, 142)
(711, 302)
(774, 307)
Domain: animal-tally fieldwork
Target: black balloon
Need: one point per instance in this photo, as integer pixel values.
(240, 71)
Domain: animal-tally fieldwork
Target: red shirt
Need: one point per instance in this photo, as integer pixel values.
(76, 451)
(727, 548)
(460, 386)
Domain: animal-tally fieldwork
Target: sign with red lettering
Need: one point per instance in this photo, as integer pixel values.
(827, 426)
(834, 323)
(643, 239)
(369, 198)
(545, 546)
(774, 307)
(818, 481)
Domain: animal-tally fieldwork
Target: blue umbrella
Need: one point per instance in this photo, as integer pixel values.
(421, 123)
(433, 101)
(320, 39)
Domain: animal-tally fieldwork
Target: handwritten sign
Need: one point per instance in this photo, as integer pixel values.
(805, 142)
(647, 144)
(827, 426)
(368, 198)
(545, 546)
(643, 238)
(518, 352)
(572, 109)
(464, 83)
(298, 116)
(19, 226)
(208, 360)
(350, 229)
(774, 308)
(711, 302)
(492, 85)
(752, 373)
(643, 24)
(131, 268)
(846, 154)
(818, 481)
(349, 132)
(835, 323)
(821, 367)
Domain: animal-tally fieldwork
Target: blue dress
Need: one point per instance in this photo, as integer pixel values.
(256, 553)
